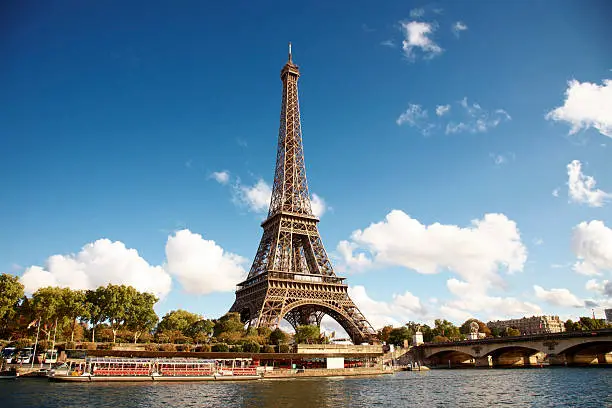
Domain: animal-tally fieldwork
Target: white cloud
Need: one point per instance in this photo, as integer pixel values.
(402, 308)
(555, 192)
(475, 253)
(557, 297)
(592, 244)
(472, 300)
(255, 197)
(416, 117)
(477, 119)
(318, 205)
(538, 241)
(98, 264)
(418, 37)
(349, 260)
(603, 288)
(222, 177)
(201, 266)
(582, 188)
(586, 105)
(457, 27)
(388, 43)
(442, 109)
(417, 12)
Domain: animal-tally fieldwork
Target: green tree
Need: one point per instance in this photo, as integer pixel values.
(307, 334)
(94, 300)
(73, 308)
(588, 323)
(141, 317)
(11, 292)
(278, 337)
(229, 326)
(443, 327)
(440, 339)
(116, 302)
(201, 330)
(179, 320)
(47, 305)
(399, 334)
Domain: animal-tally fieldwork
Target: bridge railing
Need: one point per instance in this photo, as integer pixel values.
(528, 337)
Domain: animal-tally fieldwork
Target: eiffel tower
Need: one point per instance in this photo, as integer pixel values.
(291, 276)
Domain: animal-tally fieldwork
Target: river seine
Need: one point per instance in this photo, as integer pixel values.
(547, 387)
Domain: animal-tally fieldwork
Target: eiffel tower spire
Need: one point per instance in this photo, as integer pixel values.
(291, 276)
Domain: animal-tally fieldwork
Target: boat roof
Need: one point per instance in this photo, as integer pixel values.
(159, 360)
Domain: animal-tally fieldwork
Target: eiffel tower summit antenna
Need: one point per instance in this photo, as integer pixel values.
(292, 277)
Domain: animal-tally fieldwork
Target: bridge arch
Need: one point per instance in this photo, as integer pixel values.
(312, 311)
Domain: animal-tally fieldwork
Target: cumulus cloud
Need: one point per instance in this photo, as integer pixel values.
(352, 261)
(255, 197)
(442, 109)
(222, 177)
(582, 188)
(475, 253)
(401, 308)
(415, 116)
(603, 288)
(586, 105)
(201, 266)
(472, 300)
(417, 36)
(458, 27)
(318, 205)
(98, 264)
(557, 297)
(592, 244)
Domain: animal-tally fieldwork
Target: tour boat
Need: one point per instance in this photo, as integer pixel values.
(162, 369)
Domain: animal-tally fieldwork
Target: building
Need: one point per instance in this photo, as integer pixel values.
(608, 315)
(531, 325)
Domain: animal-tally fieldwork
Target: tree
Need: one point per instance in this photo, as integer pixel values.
(116, 302)
(446, 329)
(571, 326)
(73, 308)
(201, 330)
(383, 334)
(482, 327)
(47, 304)
(229, 326)
(588, 323)
(11, 292)
(251, 347)
(398, 335)
(278, 337)
(307, 334)
(179, 320)
(141, 317)
(440, 339)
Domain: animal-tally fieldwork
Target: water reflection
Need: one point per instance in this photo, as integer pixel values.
(569, 387)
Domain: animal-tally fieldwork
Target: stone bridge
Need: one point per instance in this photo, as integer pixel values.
(575, 348)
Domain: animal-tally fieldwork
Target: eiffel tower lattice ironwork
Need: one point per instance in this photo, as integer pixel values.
(291, 276)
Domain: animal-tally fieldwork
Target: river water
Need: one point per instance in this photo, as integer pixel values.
(547, 387)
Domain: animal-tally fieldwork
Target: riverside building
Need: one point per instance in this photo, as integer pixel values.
(531, 325)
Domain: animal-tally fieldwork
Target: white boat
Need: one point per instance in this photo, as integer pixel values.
(162, 369)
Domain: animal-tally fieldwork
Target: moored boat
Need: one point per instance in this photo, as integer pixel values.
(162, 369)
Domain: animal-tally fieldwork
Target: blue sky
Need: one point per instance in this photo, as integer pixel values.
(145, 124)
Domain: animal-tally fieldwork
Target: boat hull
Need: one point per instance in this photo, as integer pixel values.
(126, 378)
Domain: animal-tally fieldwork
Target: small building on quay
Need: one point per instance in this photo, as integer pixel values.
(531, 325)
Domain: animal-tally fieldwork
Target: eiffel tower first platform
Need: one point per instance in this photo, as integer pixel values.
(291, 276)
